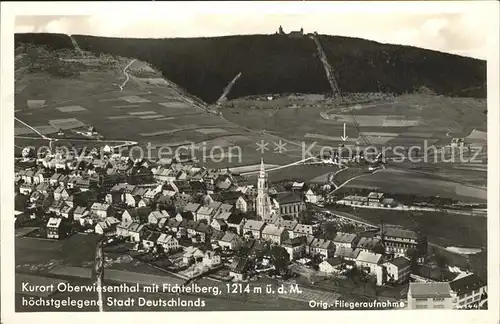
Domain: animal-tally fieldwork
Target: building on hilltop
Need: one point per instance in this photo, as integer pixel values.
(297, 33)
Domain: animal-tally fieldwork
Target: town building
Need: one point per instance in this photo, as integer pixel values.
(236, 222)
(370, 244)
(397, 240)
(302, 230)
(57, 228)
(321, 247)
(136, 231)
(348, 240)
(289, 225)
(211, 259)
(430, 295)
(230, 241)
(372, 263)
(469, 289)
(156, 216)
(238, 269)
(291, 204)
(205, 213)
(254, 227)
(311, 197)
(331, 265)
(346, 253)
(397, 270)
(274, 234)
(168, 242)
(295, 247)
(102, 210)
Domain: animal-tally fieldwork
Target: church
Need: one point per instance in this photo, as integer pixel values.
(265, 206)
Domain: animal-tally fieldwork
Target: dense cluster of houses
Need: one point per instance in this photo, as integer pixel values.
(174, 203)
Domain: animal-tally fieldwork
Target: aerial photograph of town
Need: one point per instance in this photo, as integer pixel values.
(290, 168)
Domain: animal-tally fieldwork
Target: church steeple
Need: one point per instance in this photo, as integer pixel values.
(262, 202)
(262, 172)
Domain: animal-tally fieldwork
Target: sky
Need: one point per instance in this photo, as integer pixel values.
(464, 32)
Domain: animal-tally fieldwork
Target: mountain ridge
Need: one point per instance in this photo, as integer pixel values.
(283, 64)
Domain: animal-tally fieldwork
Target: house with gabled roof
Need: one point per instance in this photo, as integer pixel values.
(102, 210)
(331, 265)
(469, 289)
(185, 215)
(106, 227)
(163, 201)
(162, 223)
(235, 222)
(223, 216)
(150, 238)
(155, 216)
(295, 247)
(192, 207)
(79, 212)
(173, 224)
(430, 295)
(273, 218)
(289, 225)
(54, 179)
(370, 244)
(345, 239)
(205, 213)
(397, 240)
(67, 212)
(191, 226)
(219, 224)
(211, 259)
(274, 234)
(397, 270)
(57, 228)
(371, 262)
(122, 229)
(375, 199)
(302, 230)
(140, 215)
(238, 268)
(346, 253)
(203, 232)
(168, 242)
(230, 241)
(321, 247)
(254, 227)
(57, 206)
(145, 202)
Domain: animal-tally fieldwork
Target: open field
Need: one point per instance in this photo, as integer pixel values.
(461, 230)
(419, 184)
(406, 120)
(38, 255)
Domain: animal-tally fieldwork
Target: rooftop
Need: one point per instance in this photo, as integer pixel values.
(254, 225)
(288, 198)
(466, 283)
(400, 262)
(273, 230)
(369, 257)
(396, 231)
(430, 289)
(341, 237)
